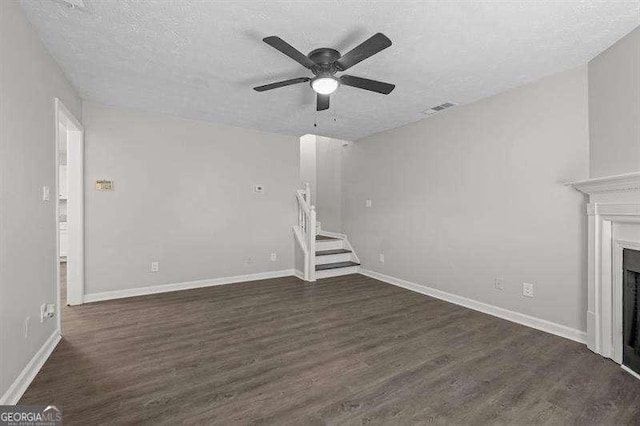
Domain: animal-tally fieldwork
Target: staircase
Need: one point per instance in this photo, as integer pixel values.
(326, 254)
(334, 257)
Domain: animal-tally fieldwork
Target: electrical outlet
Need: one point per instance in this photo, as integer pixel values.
(381, 257)
(47, 311)
(527, 290)
(258, 189)
(27, 325)
(274, 257)
(251, 260)
(51, 310)
(155, 266)
(367, 203)
(499, 283)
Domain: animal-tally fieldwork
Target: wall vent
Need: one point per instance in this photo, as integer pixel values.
(438, 108)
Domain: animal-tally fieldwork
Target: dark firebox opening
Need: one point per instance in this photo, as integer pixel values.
(631, 310)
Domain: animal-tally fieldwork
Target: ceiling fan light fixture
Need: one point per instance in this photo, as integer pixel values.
(324, 85)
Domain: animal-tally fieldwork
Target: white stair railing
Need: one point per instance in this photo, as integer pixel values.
(305, 231)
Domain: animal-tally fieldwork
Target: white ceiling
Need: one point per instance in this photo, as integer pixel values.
(200, 59)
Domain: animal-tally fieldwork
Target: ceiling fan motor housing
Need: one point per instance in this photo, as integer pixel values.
(325, 58)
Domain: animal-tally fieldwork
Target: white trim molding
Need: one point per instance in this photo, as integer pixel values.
(188, 285)
(28, 373)
(74, 135)
(522, 319)
(613, 200)
(630, 371)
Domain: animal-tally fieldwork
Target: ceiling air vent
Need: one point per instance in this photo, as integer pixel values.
(438, 108)
(74, 4)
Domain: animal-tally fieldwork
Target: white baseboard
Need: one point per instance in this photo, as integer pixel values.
(164, 288)
(529, 321)
(630, 371)
(299, 274)
(28, 373)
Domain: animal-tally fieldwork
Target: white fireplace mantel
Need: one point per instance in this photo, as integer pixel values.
(613, 200)
(626, 182)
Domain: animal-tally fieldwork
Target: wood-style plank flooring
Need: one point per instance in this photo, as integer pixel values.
(345, 350)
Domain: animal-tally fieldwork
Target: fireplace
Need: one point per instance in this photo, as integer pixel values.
(631, 310)
(613, 257)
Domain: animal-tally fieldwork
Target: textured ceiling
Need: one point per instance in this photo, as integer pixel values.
(200, 59)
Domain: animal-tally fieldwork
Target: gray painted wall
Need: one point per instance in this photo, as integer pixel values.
(329, 183)
(321, 167)
(30, 80)
(308, 164)
(183, 196)
(614, 108)
(477, 192)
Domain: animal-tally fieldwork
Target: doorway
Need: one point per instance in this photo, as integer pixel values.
(69, 207)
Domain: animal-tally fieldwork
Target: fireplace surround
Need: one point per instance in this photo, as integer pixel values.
(613, 211)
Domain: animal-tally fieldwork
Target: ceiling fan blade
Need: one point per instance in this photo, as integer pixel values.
(322, 102)
(366, 84)
(284, 47)
(281, 84)
(364, 50)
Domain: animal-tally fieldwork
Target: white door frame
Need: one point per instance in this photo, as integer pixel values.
(75, 205)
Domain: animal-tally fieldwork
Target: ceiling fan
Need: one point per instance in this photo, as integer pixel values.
(326, 62)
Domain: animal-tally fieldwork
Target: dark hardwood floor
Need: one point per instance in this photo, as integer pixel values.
(345, 350)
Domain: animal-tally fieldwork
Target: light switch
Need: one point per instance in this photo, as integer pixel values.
(258, 189)
(367, 203)
(45, 193)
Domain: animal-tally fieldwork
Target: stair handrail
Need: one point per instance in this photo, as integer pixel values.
(305, 230)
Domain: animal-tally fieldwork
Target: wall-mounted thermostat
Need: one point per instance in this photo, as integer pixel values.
(258, 189)
(104, 185)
